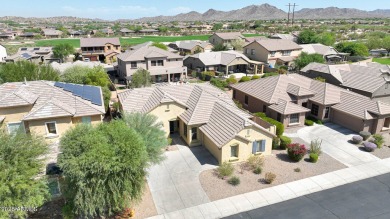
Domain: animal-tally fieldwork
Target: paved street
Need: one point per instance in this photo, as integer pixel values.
(174, 183)
(367, 198)
(335, 143)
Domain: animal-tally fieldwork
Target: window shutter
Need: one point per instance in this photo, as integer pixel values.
(254, 144)
(262, 146)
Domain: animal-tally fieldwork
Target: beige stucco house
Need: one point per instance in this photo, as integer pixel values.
(289, 98)
(225, 38)
(189, 47)
(100, 49)
(163, 65)
(48, 108)
(203, 116)
(273, 51)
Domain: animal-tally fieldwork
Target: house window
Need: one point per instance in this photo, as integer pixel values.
(194, 133)
(246, 100)
(51, 128)
(13, 127)
(185, 130)
(294, 118)
(258, 146)
(327, 110)
(108, 47)
(246, 51)
(154, 63)
(272, 53)
(304, 104)
(287, 52)
(279, 117)
(86, 120)
(234, 94)
(314, 109)
(264, 108)
(234, 150)
(160, 63)
(252, 51)
(133, 64)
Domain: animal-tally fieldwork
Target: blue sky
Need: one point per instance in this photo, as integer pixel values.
(115, 9)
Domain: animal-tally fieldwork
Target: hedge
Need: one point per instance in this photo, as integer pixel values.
(279, 125)
(270, 74)
(245, 79)
(309, 122)
(284, 141)
(255, 77)
(318, 121)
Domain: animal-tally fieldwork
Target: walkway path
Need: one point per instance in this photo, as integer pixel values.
(335, 143)
(175, 184)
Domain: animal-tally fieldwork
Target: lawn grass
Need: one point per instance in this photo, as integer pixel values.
(131, 41)
(384, 61)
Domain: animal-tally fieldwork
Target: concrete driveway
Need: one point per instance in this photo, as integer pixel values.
(175, 184)
(335, 143)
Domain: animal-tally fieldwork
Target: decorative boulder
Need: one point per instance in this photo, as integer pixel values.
(365, 135)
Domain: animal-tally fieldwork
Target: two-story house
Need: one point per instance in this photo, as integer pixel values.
(273, 51)
(225, 38)
(100, 49)
(163, 65)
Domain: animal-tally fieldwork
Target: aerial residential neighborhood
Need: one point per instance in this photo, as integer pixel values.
(167, 109)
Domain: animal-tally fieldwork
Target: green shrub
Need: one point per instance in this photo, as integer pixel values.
(275, 143)
(257, 170)
(221, 84)
(297, 170)
(279, 125)
(245, 79)
(254, 77)
(193, 74)
(225, 169)
(269, 177)
(269, 74)
(231, 80)
(318, 121)
(234, 181)
(365, 135)
(313, 157)
(296, 151)
(284, 141)
(309, 122)
(169, 141)
(315, 147)
(255, 161)
(378, 140)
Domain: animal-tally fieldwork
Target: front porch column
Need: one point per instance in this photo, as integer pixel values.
(262, 69)
(255, 70)
(227, 70)
(169, 78)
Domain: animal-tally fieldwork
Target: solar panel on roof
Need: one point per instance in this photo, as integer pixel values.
(36, 48)
(26, 55)
(23, 49)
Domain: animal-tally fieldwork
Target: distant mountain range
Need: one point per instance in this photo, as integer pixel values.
(252, 12)
(269, 12)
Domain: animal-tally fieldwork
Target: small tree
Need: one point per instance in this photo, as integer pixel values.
(147, 126)
(306, 36)
(103, 167)
(140, 78)
(219, 47)
(20, 163)
(18, 71)
(237, 44)
(160, 45)
(63, 50)
(305, 59)
(386, 44)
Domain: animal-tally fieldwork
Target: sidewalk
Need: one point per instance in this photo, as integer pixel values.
(272, 195)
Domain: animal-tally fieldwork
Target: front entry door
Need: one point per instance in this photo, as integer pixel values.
(173, 126)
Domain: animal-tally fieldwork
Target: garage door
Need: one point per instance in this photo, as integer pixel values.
(350, 122)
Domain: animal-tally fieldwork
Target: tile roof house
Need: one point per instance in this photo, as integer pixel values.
(51, 33)
(225, 62)
(225, 38)
(280, 36)
(289, 98)
(100, 49)
(329, 53)
(189, 47)
(49, 108)
(126, 32)
(33, 54)
(369, 79)
(202, 115)
(162, 65)
(273, 51)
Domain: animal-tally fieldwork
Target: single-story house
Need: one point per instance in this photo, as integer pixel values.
(226, 62)
(205, 116)
(33, 54)
(189, 47)
(329, 53)
(49, 108)
(51, 33)
(289, 98)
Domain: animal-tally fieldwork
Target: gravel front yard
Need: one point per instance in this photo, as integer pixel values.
(383, 152)
(278, 163)
(146, 207)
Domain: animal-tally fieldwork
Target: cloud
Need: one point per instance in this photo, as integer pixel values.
(179, 10)
(124, 11)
